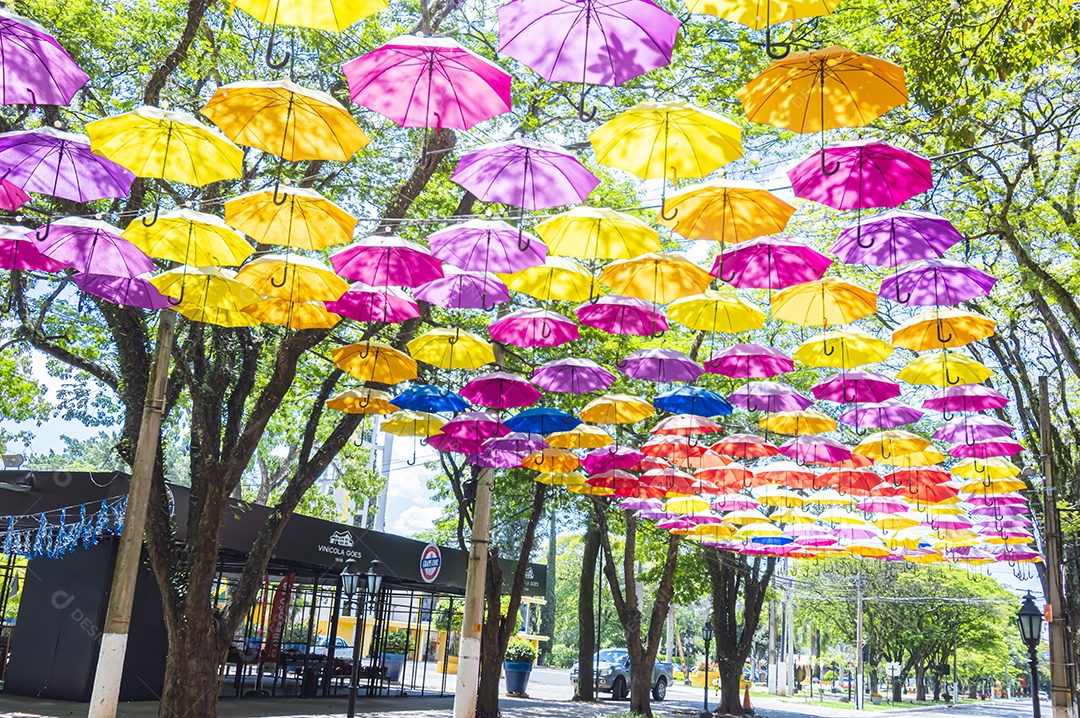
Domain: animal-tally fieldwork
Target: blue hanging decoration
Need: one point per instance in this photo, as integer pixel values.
(119, 510)
(41, 540)
(9, 538)
(101, 524)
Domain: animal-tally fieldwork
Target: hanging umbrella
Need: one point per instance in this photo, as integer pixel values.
(11, 197)
(619, 482)
(557, 279)
(518, 442)
(693, 400)
(941, 328)
(895, 237)
(292, 217)
(18, 251)
(806, 421)
(459, 289)
(829, 497)
(749, 361)
(412, 423)
(542, 421)
(487, 246)
(843, 349)
(125, 291)
(616, 409)
(215, 315)
(384, 261)
(773, 495)
(205, 287)
(59, 164)
(551, 461)
(658, 278)
(582, 436)
(677, 483)
(726, 211)
(792, 516)
(362, 401)
(882, 505)
(597, 233)
(573, 376)
(375, 362)
(926, 457)
(745, 446)
(192, 238)
(34, 68)
(887, 414)
(425, 397)
(534, 328)
(966, 397)
(815, 450)
(936, 282)
(673, 448)
(653, 140)
(599, 42)
(944, 368)
(747, 516)
(769, 396)
(733, 502)
(475, 426)
(292, 277)
(291, 314)
(895, 442)
(587, 490)
(92, 247)
(451, 349)
(662, 365)
(365, 303)
(856, 387)
(751, 14)
(825, 302)
(869, 174)
(716, 311)
(967, 429)
(731, 477)
(610, 458)
(622, 315)
(769, 263)
(326, 15)
(986, 448)
(686, 425)
(854, 482)
(500, 390)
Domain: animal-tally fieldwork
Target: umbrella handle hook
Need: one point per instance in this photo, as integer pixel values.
(284, 278)
(545, 331)
(539, 461)
(827, 349)
(582, 114)
(48, 228)
(523, 247)
(176, 302)
(365, 402)
(904, 299)
(859, 240)
(367, 347)
(969, 439)
(885, 455)
(279, 199)
(940, 338)
(949, 379)
(775, 50)
(154, 218)
(412, 461)
(663, 212)
(827, 170)
(270, 62)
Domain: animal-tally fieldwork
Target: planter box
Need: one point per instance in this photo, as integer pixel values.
(394, 663)
(450, 667)
(517, 676)
(876, 700)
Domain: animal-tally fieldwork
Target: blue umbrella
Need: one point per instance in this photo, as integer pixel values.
(542, 421)
(425, 397)
(692, 400)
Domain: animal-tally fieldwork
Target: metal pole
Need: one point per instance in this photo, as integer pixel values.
(1034, 662)
(955, 679)
(859, 643)
(468, 675)
(705, 705)
(358, 638)
(1061, 688)
(110, 664)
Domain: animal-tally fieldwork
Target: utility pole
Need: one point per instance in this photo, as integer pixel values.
(1061, 688)
(114, 638)
(858, 643)
(789, 639)
(468, 675)
(771, 669)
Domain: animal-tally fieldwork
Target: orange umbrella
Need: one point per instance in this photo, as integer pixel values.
(789, 474)
(857, 482)
(745, 446)
(673, 447)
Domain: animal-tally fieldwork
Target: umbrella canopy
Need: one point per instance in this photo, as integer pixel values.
(610, 458)
(966, 397)
(201, 288)
(551, 461)
(500, 390)
(881, 415)
(895, 237)
(944, 368)
(487, 246)
(34, 68)
(825, 302)
(616, 409)
(829, 497)
(11, 197)
(526, 174)
(534, 328)
(753, 15)
(937, 282)
(986, 448)
(869, 173)
(292, 277)
(673, 447)
(372, 361)
(294, 315)
(856, 387)
(518, 442)
(686, 425)
(18, 251)
(326, 15)
(745, 446)
(941, 328)
(92, 247)
(622, 315)
(968, 429)
(582, 436)
(365, 303)
(542, 421)
(773, 495)
(126, 291)
(806, 421)
(663, 365)
(189, 237)
(842, 348)
(787, 473)
(895, 442)
(412, 423)
(425, 397)
(597, 233)
(459, 289)
(475, 426)
(855, 482)
(429, 82)
(362, 401)
(384, 261)
(815, 450)
(558, 279)
(451, 349)
(572, 376)
(769, 396)
(716, 311)
(769, 263)
(304, 219)
(658, 278)
(726, 211)
(749, 361)
(60, 164)
(693, 400)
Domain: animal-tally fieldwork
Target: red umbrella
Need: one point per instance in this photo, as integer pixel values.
(674, 481)
(710, 459)
(685, 425)
(788, 474)
(616, 479)
(732, 477)
(650, 463)
(857, 482)
(914, 476)
(745, 446)
(673, 447)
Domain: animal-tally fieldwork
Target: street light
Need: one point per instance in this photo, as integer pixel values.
(368, 583)
(1030, 619)
(706, 634)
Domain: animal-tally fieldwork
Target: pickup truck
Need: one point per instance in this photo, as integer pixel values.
(613, 667)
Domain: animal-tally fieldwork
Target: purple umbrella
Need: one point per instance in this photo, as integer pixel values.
(815, 450)
(769, 263)
(34, 68)
(60, 164)
(126, 291)
(459, 289)
(749, 361)
(487, 246)
(1000, 511)
(734, 502)
(384, 261)
(660, 365)
(882, 505)
(856, 387)
(967, 429)
(622, 315)
(17, 251)
(863, 174)
(895, 237)
(500, 390)
(11, 197)
(641, 505)
(474, 425)
(1000, 446)
(966, 397)
(365, 303)
(494, 459)
(881, 415)
(517, 442)
(572, 376)
(534, 328)
(769, 396)
(936, 282)
(526, 174)
(92, 247)
(610, 458)
(999, 500)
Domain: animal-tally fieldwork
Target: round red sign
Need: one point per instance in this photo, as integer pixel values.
(430, 563)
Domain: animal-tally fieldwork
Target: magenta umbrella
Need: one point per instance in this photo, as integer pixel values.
(937, 282)
(622, 315)
(60, 164)
(459, 289)
(769, 263)
(882, 505)
(500, 390)
(526, 174)
(11, 197)
(1000, 500)
(966, 397)
(770, 396)
(126, 291)
(92, 247)
(881, 415)
(862, 174)
(856, 387)
(611, 458)
(572, 376)
(660, 365)
(475, 425)
(534, 328)
(635, 504)
(384, 261)
(517, 442)
(895, 237)
(815, 450)
(34, 68)
(487, 246)
(1000, 511)
(749, 361)
(474, 452)
(733, 502)
(17, 251)
(1000, 446)
(365, 303)
(967, 429)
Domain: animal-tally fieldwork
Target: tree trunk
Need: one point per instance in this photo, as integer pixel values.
(937, 687)
(586, 617)
(897, 694)
(920, 683)
(730, 698)
(191, 675)
(487, 694)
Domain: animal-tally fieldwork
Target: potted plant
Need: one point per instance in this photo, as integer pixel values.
(518, 665)
(395, 646)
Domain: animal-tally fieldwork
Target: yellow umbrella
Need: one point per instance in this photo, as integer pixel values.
(216, 315)
(943, 508)
(792, 516)
(711, 532)
(597, 233)
(841, 516)
(807, 421)
(658, 278)
(942, 327)
(188, 237)
(894, 522)
(568, 479)
(727, 211)
(952, 535)
(687, 505)
(585, 489)
(451, 349)
(716, 311)
(294, 315)
(292, 277)
(868, 548)
(205, 287)
(924, 457)
(362, 401)
(830, 497)
(616, 409)
(884, 445)
(328, 15)
(904, 538)
(166, 145)
(826, 302)
(286, 120)
(413, 423)
(551, 461)
(774, 495)
(842, 348)
(580, 437)
(994, 467)
(992, 487)
(745, 516)
(372, 361)
(557, 279)
(304, 219)
(760, 14)
(944, 368)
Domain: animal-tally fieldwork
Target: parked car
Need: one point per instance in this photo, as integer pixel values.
(613, 667)
(342, 648)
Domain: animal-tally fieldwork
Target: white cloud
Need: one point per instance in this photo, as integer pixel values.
(412, 520)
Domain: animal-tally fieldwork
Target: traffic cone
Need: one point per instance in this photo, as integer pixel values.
(746, 699)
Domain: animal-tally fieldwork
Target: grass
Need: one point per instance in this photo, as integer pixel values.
(867, 705)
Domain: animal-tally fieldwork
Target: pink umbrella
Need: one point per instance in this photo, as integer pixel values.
(429, 82)
(92, 247)
(770, 396)
(660, 365)
(881, 415)
(365, 303)
(882, 505)
(769, 263)
(534, 328)
(487, 246)
(384, 261)
(1000, 511)
(126, 291)
(733, 502)
(749, 361)
(455, 444)
(459, 289)
(863, 174)
(815, 450)
(572, 376)
(17, 251)
(999, 500)
(622, 315)
(966, 398)
(676, 523)
(854, 533)
(949, 523)
(1000, 446)
(526, 174)
(856, 387)
(973, 428)
(475, 425)
(937, 282)
(500, 390)
(11, 197)
(609, 458)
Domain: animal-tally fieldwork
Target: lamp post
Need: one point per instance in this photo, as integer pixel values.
(706, 634)
(368, 583)
(1030, 619)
